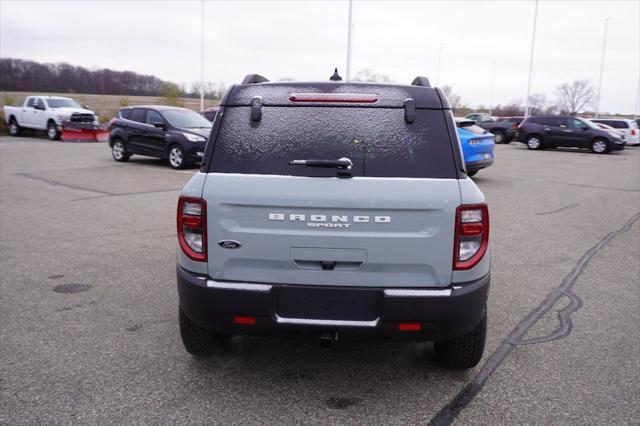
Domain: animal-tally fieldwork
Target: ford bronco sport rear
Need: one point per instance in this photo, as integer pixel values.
(334, 209)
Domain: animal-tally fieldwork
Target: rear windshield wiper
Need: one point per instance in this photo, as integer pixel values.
(342, 165)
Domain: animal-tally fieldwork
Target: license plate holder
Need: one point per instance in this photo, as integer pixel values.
(328, 303)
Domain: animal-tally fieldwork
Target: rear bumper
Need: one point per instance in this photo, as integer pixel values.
(441, 313)
(477, 165)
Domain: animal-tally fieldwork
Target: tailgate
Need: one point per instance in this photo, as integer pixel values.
(328, 231)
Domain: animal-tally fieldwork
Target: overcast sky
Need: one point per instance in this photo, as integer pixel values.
(306, 39)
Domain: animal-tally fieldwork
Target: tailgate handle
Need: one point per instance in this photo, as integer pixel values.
(327, 259)
(327, 265)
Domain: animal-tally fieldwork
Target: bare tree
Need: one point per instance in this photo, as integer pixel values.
(537, 102)
(574, 97)
(454, 99)
(368, 75)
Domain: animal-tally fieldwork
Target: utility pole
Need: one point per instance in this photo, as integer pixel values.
(438, 66)
(493, 80)
(604, 48)
(349, 42)
(201, 55)
(533, 42)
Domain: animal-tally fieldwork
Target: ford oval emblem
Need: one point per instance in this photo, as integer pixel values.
(229, 244)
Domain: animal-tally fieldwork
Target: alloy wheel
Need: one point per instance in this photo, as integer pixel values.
(118, 151)
(599, 146)
(175, 157)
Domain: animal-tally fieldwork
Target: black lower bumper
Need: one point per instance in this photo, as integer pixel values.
(477, 165)
(361, 313)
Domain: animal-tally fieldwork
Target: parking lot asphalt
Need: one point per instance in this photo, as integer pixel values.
(88, 306)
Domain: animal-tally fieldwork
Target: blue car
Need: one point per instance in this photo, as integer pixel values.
(477, 145)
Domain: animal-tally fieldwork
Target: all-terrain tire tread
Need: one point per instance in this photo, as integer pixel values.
(465, 351)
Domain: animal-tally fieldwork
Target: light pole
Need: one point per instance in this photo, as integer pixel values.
(604, 48)
(533, 41)
(202, 55)
(438, 66)
(349, 42)
(493, 80)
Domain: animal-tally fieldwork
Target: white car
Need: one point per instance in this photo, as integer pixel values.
(626, 126)
(46, 113)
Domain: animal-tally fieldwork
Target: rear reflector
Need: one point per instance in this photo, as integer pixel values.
(471, 229)
(356, 98)
(409, 326)
(244, 320)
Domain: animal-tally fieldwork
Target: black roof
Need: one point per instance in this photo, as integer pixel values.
(388, 95)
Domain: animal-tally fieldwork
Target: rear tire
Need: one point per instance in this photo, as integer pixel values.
(534, 142)
(52, 131)
(472, 173)
(600, 146)
(198, 341)
(14, 127)
(465, 351)
(119, 151)
(500, 136)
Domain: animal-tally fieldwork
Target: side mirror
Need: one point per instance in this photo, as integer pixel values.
(160, 125)
(86, 107)
(40, 107)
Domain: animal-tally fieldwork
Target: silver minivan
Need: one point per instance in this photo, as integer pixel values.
(626, 126)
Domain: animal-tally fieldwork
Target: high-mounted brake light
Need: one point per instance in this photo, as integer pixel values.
(192, 227)
(244, 320)
(356, 98)
(471, 235)
(409, 326)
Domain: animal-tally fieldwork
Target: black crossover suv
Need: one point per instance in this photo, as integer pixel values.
(550, 131)
(176, 134)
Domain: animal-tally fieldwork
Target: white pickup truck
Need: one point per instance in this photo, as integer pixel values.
(46, 113)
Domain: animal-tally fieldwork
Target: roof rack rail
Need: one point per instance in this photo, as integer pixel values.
(421, 81)
(254, 79)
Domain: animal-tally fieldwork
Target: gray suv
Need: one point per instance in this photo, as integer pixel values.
(334, 210)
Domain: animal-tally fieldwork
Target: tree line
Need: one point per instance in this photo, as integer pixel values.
(19, 75)
(569, 98)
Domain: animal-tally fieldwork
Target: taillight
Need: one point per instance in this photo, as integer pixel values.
(471, 236)
(633, 132)
(192, 227)
(514, 126)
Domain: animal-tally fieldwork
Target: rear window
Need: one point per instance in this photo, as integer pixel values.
(541, 120)
(137, 114)
(376, 140)
(616, 124)
(473, 128)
